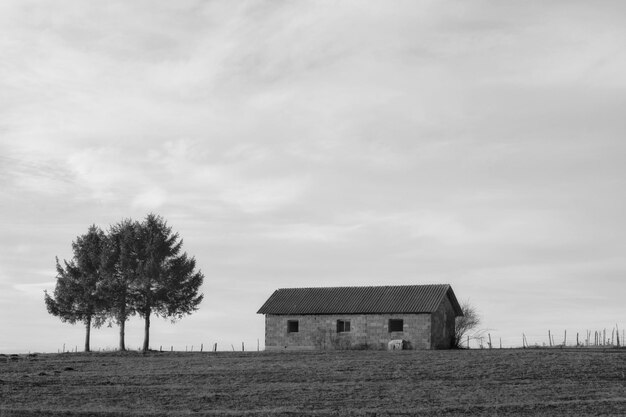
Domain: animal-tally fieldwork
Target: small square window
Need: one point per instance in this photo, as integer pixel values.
(343, 326)
(292, 326)
(396, 325)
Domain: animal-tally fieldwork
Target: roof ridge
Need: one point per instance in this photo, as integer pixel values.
(364, 286)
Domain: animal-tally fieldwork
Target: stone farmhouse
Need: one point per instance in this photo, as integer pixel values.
(423, 316)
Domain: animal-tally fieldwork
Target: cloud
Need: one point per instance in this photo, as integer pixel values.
(150, 200)
(33, 290)
(290, 143)
(298, 232)
(253, 196)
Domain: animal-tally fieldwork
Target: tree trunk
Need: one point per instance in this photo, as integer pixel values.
(122, 332)
(146, 334)
(87, 333)
(122, 323)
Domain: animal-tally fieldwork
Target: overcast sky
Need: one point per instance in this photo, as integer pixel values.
(320, 143)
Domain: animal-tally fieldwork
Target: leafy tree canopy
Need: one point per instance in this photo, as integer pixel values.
(78, 295)
(137, 268)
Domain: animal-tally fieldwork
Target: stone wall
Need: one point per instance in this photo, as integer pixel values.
(367, 331)
(443, 321)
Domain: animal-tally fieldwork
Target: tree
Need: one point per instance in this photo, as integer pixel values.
(121, 266)
(167, 283)
(78, 295)
(137, 268)
(465, 324)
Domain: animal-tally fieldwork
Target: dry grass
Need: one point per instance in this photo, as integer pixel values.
(476, 382)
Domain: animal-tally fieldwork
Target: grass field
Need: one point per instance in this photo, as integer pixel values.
(363, 383)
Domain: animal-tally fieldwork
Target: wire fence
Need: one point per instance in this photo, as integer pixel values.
(201, 347)
(604, 338)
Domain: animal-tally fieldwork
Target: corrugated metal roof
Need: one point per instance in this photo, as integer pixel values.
(360, 300)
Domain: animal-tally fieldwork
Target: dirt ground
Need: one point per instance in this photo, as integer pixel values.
(505, 382)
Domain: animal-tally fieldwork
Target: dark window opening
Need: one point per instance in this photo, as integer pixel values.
(292, 326)
(396, 325)
(343, 326)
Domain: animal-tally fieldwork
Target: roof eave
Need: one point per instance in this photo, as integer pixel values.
(458, 311)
